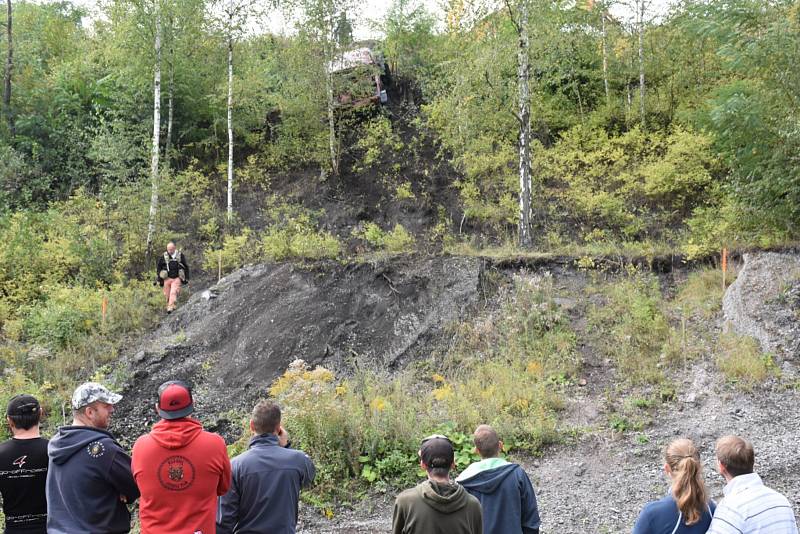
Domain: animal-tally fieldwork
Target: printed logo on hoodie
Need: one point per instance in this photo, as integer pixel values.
(96, 449)
(176, 473)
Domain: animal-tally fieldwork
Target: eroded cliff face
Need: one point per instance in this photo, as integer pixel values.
(232, 340)
(764, 302)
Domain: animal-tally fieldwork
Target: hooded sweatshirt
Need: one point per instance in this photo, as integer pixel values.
(433, 508)
(506, 496)
(89, 473)
(181, 470)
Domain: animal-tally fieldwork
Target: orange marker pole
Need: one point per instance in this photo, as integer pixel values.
(724, 267)
(104, 309)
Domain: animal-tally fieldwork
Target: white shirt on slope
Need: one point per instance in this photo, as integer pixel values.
(749, 507)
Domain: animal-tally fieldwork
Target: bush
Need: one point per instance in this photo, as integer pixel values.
(741, 361)
(635, 330)
(236, 252)
(398, 240)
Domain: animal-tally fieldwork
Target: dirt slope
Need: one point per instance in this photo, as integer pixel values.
(235, 338)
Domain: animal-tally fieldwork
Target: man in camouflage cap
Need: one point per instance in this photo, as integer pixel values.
(89, 483)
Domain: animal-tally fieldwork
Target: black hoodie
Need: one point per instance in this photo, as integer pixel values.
(433, 508)
(89, 473)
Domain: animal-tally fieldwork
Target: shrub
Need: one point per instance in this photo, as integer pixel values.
(378, 138)
(635, 330)
(236, 252)
(741, 361)
(396, 241)
(293, 234)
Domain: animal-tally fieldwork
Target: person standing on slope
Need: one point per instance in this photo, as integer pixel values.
(23, 469)
(172, 272)
(686, 509)
(180, 468)
(503, 488)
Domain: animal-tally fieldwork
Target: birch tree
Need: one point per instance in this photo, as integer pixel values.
(155, 147)
(9, 67)
(520, 18)
(320, 19)
(641, 6)
(234, 19)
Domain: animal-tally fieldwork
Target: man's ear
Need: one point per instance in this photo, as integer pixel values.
(155, 407)
(476, 451)
(9, 422)
(502, 446)
(422, 465)
(252, 427)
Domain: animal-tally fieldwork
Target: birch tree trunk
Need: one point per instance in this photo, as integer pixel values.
(8, 71)
(604, 34)
(230, 128)
(333, 142)
(154, 176)
(523, 81)
(170, 107)
(641, 61)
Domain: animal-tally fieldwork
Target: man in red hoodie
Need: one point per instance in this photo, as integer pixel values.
(180, 468)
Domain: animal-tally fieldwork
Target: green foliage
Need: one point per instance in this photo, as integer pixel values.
(294, 235)
(378, 139)
(631, 185)
(741, 361)
(398, 240)
(236, 252)
(632, 328)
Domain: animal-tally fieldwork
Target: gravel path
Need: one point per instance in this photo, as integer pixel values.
(599, 483)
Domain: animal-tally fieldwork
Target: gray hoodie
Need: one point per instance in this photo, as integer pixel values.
(433, 508)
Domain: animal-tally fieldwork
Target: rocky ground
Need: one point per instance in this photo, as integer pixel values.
(598, 482)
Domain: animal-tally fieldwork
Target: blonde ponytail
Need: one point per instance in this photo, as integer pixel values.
(688, 487)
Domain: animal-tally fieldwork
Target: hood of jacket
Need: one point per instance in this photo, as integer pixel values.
(176, 433)
(487, 480)
(444, 498)
(70, 440)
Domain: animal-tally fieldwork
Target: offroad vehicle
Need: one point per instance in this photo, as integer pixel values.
(360, 77)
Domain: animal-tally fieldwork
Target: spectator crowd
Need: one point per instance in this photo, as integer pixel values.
(83, 481)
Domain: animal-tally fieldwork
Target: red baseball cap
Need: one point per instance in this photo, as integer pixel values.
(175, 399)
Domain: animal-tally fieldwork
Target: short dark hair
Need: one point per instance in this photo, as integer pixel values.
(736, 454)
(24, 411)
(486, 441)
(266, 417)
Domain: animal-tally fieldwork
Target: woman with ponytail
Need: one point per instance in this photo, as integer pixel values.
(686, 509)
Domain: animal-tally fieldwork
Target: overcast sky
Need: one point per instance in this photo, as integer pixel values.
(372, 11)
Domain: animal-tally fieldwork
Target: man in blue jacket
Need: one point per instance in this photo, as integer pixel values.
(89, 481)
(265, 489)
(504, 489)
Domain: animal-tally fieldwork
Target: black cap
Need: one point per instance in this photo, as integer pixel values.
(437, 452)
(22, 405)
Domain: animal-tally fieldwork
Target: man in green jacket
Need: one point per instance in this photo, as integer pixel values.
(438, 505)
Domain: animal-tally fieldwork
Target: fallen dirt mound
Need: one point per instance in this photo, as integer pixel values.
(764, 302)
(235, 338)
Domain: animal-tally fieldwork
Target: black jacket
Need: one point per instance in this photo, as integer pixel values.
(88, 474)
(173, 266)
